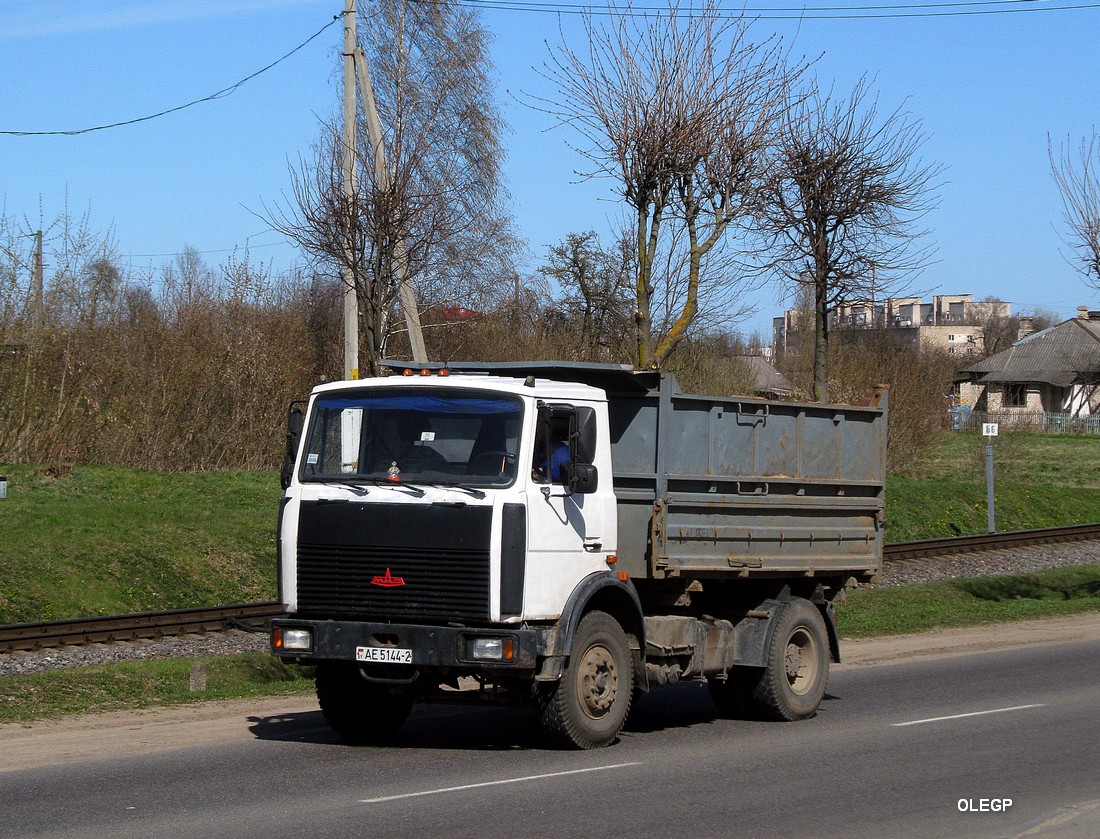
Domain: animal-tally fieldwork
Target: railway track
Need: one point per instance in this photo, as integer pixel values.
(902, 551)
(114, 628)
(255, 616)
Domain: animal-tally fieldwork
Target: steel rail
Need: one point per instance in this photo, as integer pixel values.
(113, 628)
(254, 616)
(905, 551)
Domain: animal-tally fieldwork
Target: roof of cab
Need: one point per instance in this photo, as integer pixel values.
(540, 388)
(615, 378)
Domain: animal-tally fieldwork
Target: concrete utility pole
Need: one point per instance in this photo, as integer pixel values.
(355, 66)
(38, 304)
(351, 296)
(382, 173)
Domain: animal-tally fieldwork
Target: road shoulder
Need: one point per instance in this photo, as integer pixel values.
(965, 641)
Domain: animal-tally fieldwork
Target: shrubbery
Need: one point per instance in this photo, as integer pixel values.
(193, 369)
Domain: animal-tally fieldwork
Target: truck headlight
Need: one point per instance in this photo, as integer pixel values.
(286, 638)
(492, 649)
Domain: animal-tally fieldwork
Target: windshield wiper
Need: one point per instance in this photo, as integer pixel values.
(476, 493)
(365, 484)
(355, 483)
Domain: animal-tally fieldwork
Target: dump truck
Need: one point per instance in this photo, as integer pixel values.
(566, 537)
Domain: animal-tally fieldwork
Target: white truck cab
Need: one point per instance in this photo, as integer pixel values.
(389, 466)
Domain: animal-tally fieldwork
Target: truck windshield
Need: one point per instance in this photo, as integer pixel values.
(465, 438)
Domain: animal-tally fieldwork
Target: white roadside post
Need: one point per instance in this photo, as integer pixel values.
(989, 431)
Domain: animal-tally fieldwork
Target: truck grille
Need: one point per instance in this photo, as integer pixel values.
(394, 562)
(451, 585)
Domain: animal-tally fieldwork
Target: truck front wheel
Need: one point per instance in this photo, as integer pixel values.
(588, 707)
(793, 683)
(358, 710)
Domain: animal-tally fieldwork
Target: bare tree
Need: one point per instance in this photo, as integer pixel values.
(15, 269)
(1078, 180)
(844, 203)
(596, 292)
(101, 287)
(679, 109)
(188, 281)
(444, 197)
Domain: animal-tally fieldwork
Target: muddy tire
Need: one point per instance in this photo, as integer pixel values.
(793, 683)
(587, 708)
(359, 711)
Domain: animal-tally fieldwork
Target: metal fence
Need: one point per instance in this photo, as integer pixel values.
(964, 419)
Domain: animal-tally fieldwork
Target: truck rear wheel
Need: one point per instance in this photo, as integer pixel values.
(793, 683)
(588, 707)
(358, 710)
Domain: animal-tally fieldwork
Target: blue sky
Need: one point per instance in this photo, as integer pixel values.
(988, 89)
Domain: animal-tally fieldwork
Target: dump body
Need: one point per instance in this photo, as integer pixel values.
(736, 486)
(712, 486)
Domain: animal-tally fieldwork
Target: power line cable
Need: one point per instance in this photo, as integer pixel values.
(793, 9)
(916, 10)
(245, 247)
(219, 95)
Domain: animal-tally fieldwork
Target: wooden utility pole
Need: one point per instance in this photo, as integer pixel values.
(351, 296)
(382, 173)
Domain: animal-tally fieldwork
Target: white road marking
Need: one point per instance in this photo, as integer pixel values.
(495, 783)
(973, 714)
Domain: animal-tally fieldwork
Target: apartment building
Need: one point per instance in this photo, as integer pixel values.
(951, 322)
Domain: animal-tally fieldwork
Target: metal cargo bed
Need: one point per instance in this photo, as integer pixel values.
(721, 487)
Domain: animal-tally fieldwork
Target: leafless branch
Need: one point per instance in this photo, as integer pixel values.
(678, 109)
(1078, 180)
(848, 193)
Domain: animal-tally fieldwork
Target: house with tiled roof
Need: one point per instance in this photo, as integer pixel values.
(1055, 371)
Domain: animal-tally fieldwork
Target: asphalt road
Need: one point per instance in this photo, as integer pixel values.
(895, 751)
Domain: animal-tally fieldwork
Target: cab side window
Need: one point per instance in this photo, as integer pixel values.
(551, 462)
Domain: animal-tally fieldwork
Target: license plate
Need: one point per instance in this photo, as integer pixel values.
(385, 655)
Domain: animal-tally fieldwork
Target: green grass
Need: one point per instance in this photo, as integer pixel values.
(143, 684)
(90, 540)
(919, 508)
(894, 610)
(1040, 480)
(1062, 460)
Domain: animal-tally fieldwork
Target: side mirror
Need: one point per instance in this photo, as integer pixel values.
(583, 435)
(583, 477)
(295, 422)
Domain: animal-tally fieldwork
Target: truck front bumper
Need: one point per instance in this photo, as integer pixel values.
(420, 646)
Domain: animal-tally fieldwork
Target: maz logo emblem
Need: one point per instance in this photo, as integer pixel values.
(387, 580)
